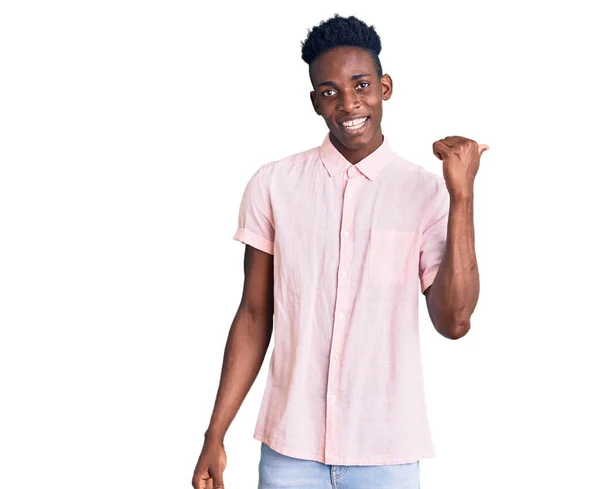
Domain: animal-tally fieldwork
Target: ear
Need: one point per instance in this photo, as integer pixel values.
(313, 100)
(387, 87)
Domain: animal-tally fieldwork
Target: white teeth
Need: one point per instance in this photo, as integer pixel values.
(355, 122)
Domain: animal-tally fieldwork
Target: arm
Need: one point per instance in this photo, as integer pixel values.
(452, 296)
(247, 342)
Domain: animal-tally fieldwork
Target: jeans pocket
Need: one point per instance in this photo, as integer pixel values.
(389, 254)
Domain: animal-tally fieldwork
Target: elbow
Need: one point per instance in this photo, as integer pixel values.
(455, 330)
(451, 322)
(460, 329)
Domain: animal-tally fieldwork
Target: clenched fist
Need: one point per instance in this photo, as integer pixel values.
(208, 473)
(461, 161)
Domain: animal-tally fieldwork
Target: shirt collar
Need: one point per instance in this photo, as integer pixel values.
(370, 166)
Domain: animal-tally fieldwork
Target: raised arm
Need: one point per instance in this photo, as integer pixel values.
(453, 295)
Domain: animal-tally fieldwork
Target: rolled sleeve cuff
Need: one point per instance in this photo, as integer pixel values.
(428, 279)
(254, 240)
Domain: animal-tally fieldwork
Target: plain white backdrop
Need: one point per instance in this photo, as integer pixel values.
(128, 131)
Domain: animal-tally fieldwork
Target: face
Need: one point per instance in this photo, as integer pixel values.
(347, 89)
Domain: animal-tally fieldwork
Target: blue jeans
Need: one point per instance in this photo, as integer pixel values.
(278, 471)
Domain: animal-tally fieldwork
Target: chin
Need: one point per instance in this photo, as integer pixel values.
(355, 143)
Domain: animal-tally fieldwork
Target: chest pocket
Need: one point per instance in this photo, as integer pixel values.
(389, 255)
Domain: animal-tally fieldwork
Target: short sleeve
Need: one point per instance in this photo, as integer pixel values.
(433, 239)
(255, 221)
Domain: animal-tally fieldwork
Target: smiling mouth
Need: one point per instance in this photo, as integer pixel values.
(355, 125)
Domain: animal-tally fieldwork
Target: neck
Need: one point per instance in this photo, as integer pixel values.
(357, 154)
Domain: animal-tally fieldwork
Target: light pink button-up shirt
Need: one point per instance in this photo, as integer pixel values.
(353, 246)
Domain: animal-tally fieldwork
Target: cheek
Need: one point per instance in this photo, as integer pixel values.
(377, 111)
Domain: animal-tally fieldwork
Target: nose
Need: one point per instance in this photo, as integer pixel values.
(349, 101)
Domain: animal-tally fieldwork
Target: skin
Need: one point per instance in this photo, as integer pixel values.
(337, 95)
(245, 350)
(450, 299)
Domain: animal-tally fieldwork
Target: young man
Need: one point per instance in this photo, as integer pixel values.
(340, 239)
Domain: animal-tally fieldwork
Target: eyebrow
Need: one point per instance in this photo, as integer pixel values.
(354, 77)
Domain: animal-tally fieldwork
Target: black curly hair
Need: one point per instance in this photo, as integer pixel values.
(342, 31)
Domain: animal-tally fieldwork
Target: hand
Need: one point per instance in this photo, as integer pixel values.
(208, 473)
(461, 161)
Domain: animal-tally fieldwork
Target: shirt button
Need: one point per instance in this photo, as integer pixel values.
(344, 274)
(346, 233)
(337, 355)
(332, 398)
(342, 313)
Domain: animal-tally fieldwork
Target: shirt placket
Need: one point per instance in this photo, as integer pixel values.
(340, 321)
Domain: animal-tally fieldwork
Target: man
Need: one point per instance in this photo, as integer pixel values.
(340, 240)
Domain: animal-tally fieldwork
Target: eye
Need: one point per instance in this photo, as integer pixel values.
(325, 93)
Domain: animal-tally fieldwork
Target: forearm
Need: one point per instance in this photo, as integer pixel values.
(245, 351)
(455, 290)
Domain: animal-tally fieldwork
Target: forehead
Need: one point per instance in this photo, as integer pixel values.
(340, 64)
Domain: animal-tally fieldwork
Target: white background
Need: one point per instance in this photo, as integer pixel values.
(128, 132)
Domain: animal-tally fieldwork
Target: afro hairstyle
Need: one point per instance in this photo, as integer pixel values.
(342, 31)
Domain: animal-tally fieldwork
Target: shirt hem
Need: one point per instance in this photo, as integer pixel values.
(339, 461)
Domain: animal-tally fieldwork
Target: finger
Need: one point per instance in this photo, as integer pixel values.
(438, 155)
(441, 149)
(200, 482)
(217, 480)
(482, 148)
(203, 484)
(453, 140)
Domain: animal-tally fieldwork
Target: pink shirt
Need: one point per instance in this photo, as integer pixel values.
(353, 246)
